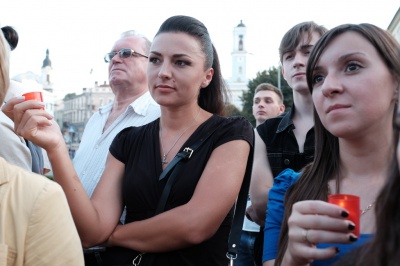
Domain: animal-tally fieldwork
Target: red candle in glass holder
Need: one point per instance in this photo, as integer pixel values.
(351, 203)
(35, 95)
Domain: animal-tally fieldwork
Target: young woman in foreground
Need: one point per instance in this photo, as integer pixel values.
(353, 74)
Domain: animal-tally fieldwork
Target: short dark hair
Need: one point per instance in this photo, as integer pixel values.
(293, 37)
(211, 98)
(269, 87)
(11, 36)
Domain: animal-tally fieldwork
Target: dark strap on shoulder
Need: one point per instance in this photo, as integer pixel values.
(180, 156)
(174, 167)
(167, 189)
(240, 210)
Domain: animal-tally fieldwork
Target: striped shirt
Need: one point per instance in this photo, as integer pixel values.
(90, 158)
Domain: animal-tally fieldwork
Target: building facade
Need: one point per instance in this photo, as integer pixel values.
(75, 110)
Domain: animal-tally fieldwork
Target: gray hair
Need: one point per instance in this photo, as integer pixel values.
(133, 33)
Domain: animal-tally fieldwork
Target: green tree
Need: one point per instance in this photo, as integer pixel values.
(266, 76)
(69, 96)
(231, 110)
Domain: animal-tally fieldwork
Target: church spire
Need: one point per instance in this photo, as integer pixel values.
(46, 61)
(47, 73)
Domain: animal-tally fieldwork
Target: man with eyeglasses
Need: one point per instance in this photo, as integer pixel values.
(132, 106)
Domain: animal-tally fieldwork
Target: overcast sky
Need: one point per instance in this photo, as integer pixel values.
(79, 32)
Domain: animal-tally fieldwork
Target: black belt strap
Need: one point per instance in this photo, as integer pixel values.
(174, 167)
(240, 210)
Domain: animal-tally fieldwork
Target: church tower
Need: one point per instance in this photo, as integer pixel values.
(238, 82)
(46, 73)
(239, 53)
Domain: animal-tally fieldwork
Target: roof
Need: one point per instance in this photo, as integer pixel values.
(241, 24)
(46, 61)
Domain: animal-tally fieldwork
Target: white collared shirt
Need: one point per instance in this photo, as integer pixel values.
(248, 225)
(90, 158)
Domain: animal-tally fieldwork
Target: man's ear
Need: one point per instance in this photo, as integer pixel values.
(282, 109)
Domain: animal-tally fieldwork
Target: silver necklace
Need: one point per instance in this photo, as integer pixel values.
(164, 157)
(368, 208)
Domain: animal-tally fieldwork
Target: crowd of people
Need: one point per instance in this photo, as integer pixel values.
(114, 205)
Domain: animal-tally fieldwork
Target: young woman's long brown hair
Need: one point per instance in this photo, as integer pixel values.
(313, 183)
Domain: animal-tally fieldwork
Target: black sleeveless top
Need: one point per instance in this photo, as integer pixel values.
(139, 149)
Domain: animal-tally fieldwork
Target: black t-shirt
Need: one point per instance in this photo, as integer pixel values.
(139, 149)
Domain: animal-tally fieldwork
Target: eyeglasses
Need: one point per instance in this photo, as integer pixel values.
(124, 53)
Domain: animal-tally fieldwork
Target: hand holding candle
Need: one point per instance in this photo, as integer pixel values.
(352, 204)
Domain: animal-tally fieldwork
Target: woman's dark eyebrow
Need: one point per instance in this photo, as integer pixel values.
(154, 52)
(346, 56)
(175, 55)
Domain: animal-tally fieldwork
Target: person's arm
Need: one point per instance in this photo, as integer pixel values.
(200, 218)
(95, 220)
(51, 237)
(261, 179)
(251, 215)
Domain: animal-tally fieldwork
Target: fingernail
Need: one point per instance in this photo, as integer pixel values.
(344, 214)
(20, 97)
(351, 226)
(42, 103)
(352, 238)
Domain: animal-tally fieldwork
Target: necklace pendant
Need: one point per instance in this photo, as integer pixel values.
(164, 159)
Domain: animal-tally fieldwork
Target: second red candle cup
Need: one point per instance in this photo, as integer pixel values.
(352, 204)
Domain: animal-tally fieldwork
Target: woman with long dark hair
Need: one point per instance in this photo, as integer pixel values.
(353, 74)
(185, 79)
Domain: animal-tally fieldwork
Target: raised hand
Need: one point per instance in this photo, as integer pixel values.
(313, 222)
(33, 123)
